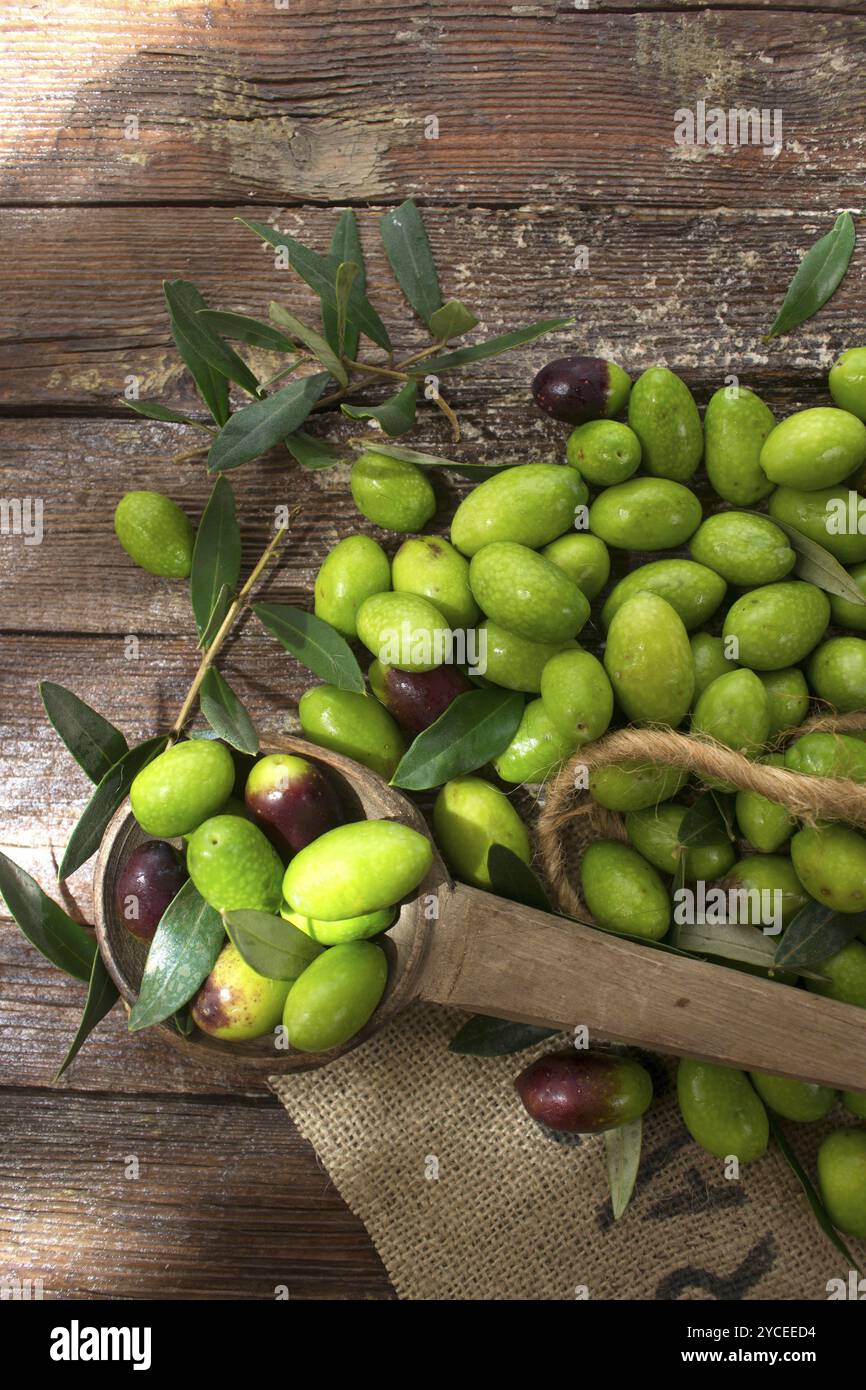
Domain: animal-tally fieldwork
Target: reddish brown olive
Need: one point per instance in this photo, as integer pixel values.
(584, 1092)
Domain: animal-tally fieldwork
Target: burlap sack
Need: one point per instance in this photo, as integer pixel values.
(465, 1197)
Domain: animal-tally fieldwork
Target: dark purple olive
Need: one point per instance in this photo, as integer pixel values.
(417, 698)
(152, 875)
(584, 1092)
(292, 800)
(578, 389)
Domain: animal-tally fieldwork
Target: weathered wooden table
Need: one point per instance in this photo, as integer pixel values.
(540, 139)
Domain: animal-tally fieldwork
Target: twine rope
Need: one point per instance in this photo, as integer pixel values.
(571, 820)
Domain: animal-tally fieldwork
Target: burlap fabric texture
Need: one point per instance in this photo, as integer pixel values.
(465, 1197)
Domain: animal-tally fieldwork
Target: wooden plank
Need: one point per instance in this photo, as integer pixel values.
(40, 1009)
(228, 1202)
(694, 290)
(542, 101)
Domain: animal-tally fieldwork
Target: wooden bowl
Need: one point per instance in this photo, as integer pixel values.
(365, 795)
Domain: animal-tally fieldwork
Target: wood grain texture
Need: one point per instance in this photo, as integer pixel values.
(499, 958)
(540, 101)
(555, 132)
(228, 1202)
(82, 310)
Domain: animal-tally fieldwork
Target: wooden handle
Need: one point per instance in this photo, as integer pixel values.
(496, 957)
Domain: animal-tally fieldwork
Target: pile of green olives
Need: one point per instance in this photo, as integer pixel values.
(283, 847)
(603, 591)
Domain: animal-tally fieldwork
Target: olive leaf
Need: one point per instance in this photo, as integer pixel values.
(216, 556)
(408, 250)
(398, 451)
(94, 743)
(345, 249)
(62, 941)
(312, 340)
(347, 273)
(477, 726)
(494, 346)
(184, 303)
(816, 933)
(226, 714)
(482, 1036)
(452, 321)
(396, 415)
(819, 1211)
(622, 1151)
(313, 453)
(725, 805)
(182, 953)
(242, 328)
(818, 276)
(275, 948)
(114, 786)
(320, 273)
(511, 878)
(102, 995)
(735, 941)
(258, 427)
(702, 823)
(817, 566)
(152, 410)
(314, 643)
(212, 385)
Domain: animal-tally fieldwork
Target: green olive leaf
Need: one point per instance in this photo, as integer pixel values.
(398, 451)
(396, 415)
(94, 743)
(816, 933)
(184, 304)
(452, 321)
(477, 726)
(408, 250)
(275, 948)
(216, 556)
(62, 941)
(622, 1151)
(102, 995)
(726, 807)
(243, 329)
(314, 643)
(313, 453)
(320, 273)
(702, 823)
(496, 1037)
(258, 427)
(345, 249)
(735, 941)
(347, 273)
(226, 714)
(312, 340)
(182, 953)
(110, 792)
(511, 878)
(819, 1211)
(494, 346)
(212, 385)
(817, 566)
(152, 410)
(818, 276)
